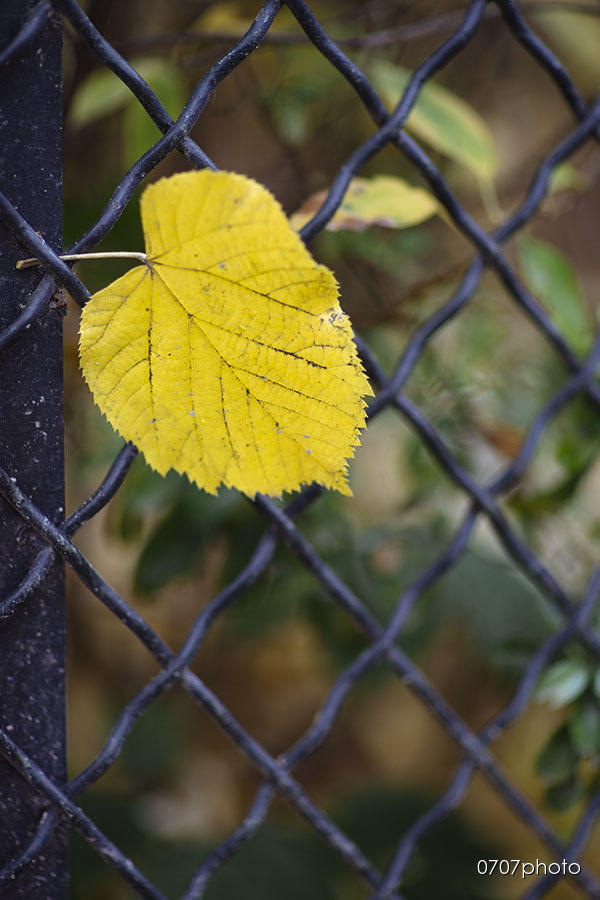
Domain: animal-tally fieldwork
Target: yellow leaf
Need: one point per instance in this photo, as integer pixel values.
(227, 356)
(383, 200)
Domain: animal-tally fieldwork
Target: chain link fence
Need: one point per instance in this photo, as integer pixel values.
(38, 805)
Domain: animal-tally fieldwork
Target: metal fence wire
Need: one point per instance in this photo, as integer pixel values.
(54, 806)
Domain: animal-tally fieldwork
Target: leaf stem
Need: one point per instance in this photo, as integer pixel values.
(109, 254)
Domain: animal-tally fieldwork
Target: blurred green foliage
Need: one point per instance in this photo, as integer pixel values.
(284, 860)
(569, 761)
(287, 118)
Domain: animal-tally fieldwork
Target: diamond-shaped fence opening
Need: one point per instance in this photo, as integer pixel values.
(38, 805)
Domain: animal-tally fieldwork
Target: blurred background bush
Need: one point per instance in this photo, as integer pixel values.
(288, 119)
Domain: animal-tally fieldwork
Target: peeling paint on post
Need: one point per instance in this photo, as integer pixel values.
(32, 640)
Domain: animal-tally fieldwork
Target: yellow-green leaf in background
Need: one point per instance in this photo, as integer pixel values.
(222, 18)
(574, 34)
(227, 356)
(441, 119)
(140, 132)
(382, 200)
(565, 177)
(103, 93)
(230, 18)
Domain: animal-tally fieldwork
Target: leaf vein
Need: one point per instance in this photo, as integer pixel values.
(233, 283)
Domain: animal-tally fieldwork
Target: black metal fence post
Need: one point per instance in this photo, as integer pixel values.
(32, 641)
(32, 634)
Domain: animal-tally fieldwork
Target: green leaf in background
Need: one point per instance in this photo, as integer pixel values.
(596, 683)
(552, 279)
(151, 754)
(297, 94)
(563, 682)
(505, 615)
(277, 862)
(557, 761)
(398, 253)
(378, 814)
(140, 133)
(577, 445)
(442, 120)
(384, 200)
(560, 797)
(584, 726)
(176, 542)
(103, 93)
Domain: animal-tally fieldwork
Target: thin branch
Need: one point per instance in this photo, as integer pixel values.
(411, 31)
(69, 257)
